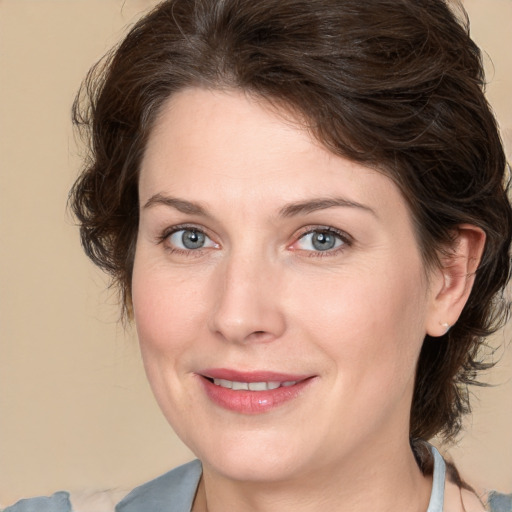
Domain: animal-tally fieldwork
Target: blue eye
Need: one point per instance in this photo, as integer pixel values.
(190, 239)
(320, 240)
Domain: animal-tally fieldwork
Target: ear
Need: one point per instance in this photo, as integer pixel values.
(452, 283)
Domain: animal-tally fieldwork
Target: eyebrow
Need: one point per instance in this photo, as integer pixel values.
(289, 210)
(181, 205)
(312, 205)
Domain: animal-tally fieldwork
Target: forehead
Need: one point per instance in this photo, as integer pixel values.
(227, 127)
(228, 148)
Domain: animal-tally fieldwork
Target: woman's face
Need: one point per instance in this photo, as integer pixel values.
(280, 297)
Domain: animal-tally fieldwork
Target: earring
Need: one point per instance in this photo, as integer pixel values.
(446, 326)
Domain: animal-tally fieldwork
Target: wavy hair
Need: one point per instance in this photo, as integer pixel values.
(393, 84)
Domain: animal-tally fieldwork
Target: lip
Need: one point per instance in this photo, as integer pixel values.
(252, 402)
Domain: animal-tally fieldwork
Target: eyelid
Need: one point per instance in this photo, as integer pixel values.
(307, 230)
(342, 235)
(168, 232)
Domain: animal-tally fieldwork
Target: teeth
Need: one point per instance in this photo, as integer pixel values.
(240, 385)
(252, 386)
(257, 386)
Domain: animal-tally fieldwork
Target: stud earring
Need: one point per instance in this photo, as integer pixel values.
(446, 326)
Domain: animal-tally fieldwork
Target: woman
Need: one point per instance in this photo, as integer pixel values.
(303, 206)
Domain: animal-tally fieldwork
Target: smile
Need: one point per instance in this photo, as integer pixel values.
(252, 392)
(252, 386)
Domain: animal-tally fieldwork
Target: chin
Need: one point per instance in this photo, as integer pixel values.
(255, 467)
(259, 456)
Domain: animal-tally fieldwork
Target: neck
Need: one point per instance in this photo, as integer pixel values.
(382, 479)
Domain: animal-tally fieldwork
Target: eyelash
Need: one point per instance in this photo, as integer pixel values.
(346, 240)
(167, 233)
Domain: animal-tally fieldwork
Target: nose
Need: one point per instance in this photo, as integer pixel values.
(247, 305)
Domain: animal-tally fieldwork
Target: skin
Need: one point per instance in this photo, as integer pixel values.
(259, 296)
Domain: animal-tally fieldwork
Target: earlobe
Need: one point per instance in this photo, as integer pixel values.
(455, 278)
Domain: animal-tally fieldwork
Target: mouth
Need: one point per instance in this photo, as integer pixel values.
(251, 386)
(252, 392)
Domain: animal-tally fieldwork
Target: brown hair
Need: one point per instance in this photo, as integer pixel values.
(394, 84)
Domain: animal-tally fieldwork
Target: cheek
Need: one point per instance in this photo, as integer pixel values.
(167, 307)
(370, 323)
(166, 317)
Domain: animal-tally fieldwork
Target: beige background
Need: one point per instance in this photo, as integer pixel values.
(75, 410)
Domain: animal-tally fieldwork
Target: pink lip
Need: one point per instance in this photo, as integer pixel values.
(252, 402)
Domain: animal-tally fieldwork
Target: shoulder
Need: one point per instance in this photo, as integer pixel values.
(58, 502)
(498, 502)
(459, 496)
(172, 492)
(463, 500)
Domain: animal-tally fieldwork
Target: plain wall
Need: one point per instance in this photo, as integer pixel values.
(75, 409)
